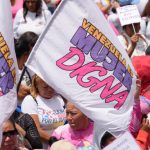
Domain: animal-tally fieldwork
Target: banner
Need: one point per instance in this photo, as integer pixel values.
(8, 97)
(81, 58)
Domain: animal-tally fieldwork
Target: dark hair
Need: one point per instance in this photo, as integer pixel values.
(12, 120)
(38, 9)
(52, 140)
(147, 52)
(146, 11)
(105, 138)
(15, 115)
(134, 24)
(25, 43)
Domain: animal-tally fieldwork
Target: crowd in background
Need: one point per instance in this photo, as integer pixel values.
(43, 118)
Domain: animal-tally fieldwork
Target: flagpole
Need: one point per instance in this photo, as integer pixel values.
(22, 74)
(133, 28)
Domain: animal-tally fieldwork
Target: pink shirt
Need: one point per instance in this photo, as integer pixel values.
(16, 7)
(80, 138)
(135, 123)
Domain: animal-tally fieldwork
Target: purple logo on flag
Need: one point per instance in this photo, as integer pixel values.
(7, 73)
(114, 75)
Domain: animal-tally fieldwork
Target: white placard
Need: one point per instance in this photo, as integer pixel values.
(128, 14)
(125, 142)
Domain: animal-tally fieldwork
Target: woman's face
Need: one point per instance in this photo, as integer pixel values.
(130, 30)
(44, 89)
(13, 2)
(76, 119)
(9, 136)
(31, 5)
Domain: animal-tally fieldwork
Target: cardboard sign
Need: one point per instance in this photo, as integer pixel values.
(128, 14)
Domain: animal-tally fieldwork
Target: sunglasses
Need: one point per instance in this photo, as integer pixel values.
(10, 133)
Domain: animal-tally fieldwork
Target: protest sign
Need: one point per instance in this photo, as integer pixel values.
(81, 58)
(8, 73)
(128, 14)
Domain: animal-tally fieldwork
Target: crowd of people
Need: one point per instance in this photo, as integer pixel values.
(44, 119)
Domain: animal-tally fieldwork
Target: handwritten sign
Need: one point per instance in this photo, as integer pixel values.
(128, 14)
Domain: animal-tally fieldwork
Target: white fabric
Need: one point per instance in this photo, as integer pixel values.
(114, 19)
(145, 27)
(77, 71)
(50, 111)
(97, 1)
(8, 66)
(32, 23)
(141, 5)
(44, 6)
(140, 47)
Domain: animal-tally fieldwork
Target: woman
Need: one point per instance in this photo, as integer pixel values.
(79, 131)
(23, 47)
(27, 128)
(13, 136)
(9, 139)
(142, 139)
(45, 107)
(134, 43)
(31, 18)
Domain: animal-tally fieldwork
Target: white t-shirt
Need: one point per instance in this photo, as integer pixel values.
(50, 111)
(32, 23)
(140, 48)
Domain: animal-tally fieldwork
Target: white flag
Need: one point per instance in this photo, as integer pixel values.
(8, 97)
(81, 58)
